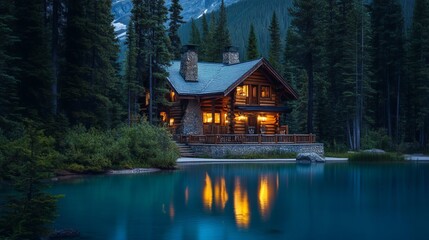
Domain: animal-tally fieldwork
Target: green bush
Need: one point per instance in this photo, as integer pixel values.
(142, 145)
(375, 157)
(376, 139)
(86, 150)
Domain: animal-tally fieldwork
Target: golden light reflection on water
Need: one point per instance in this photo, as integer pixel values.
(186, 195)
(220, 193)
(266, 193)
(241, 205)
(172, 212)
(208, 193)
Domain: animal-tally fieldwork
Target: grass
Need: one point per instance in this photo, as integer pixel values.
(339, 154)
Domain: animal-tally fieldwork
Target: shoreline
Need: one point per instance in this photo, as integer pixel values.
(184, 160)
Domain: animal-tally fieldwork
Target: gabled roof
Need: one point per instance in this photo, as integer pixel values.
(220, 79)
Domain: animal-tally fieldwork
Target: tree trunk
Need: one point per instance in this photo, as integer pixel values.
(310, 74)
(54, 46)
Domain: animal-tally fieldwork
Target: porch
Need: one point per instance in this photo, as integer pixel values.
(247, 139)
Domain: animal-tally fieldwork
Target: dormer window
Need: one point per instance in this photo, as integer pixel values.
(243, 91)
(265, 92)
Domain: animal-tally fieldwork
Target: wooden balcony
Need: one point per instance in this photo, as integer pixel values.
(246, 138)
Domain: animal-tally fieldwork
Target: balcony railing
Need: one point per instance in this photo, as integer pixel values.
(246, 138)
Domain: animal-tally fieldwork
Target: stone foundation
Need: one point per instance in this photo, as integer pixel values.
(222, 150)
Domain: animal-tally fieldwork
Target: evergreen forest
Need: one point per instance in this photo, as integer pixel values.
(67, 105)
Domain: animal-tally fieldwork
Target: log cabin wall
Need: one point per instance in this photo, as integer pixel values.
(250, 94)
(215, 115)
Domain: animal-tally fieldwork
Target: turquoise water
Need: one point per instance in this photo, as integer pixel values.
(252, 201)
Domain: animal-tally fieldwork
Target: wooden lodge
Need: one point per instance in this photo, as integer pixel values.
(229, 102)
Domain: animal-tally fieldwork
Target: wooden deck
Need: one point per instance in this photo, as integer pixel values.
(246, 138)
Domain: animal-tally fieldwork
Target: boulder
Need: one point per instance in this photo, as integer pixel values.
(309, 157)
(376, 151)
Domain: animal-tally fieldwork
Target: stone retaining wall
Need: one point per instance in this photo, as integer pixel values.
(221, 150)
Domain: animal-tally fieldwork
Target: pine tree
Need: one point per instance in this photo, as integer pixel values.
(204, 46)
(221, 37)
(133, 88)
(195, 37)
(388, 59)
(252, 44)
(29, 211)
(90, 81)
(176, 20)
(153, 54)
(418, 71)
(304, 26)
(34, 59)
(275, 45)
(212, 52)
(8, 82)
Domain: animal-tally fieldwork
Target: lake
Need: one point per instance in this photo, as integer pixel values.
(252, 201)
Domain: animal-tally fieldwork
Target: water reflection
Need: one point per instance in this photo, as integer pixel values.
(172, 211)
(241, 205)
(251, 202)
(221, 194)
(186, 195)
(208, 193)
(266, 194)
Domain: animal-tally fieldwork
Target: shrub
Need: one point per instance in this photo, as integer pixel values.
(142, 145)
(375, 157)
(86, 150)
(376, 139)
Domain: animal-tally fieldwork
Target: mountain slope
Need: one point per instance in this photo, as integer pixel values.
(245, 12)
(121, 10)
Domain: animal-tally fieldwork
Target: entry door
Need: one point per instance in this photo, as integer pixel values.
(252, 124)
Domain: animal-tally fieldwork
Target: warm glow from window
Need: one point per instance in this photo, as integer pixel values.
(207, 117)
(147, 98)
(262, 118)
(243, 91)
(265, 91)
(217, 117)
(208, 193)
(241, 205)
(241, 117)
(226, 118)
(173, 96)
(171, 121)
(220, 193)
(163, 116)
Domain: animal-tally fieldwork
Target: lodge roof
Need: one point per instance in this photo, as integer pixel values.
(218, 78)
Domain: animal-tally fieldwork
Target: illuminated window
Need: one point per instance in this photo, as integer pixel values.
(265, 91)
(163, 116)
(217, 118)
(147, 98)
(207, 117)
(243, 91)
(172, 96)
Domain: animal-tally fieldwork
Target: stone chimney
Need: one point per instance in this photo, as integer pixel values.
(231, 56)
(189, 63)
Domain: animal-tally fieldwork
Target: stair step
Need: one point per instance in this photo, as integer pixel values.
(185, 150)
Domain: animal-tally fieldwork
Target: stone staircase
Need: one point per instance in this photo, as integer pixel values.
(185, 150)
